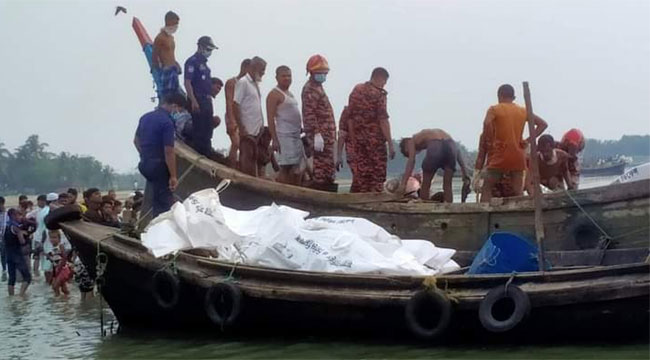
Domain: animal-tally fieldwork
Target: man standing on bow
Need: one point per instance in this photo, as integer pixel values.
(248, 114)
(318, 122)
(369, 131)
(163, 58)
(198, 84)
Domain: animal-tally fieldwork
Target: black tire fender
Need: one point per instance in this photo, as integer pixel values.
(62, 214)
(428, 314)
(519, 312)
(223, 303)
(165, 288)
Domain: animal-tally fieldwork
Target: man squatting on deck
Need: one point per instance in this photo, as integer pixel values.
(441, 153)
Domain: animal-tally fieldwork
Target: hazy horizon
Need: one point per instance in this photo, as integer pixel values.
(76, 75)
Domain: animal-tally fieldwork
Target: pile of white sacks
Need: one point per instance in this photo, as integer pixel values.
(280, 237)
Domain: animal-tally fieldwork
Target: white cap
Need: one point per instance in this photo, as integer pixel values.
(52, 197)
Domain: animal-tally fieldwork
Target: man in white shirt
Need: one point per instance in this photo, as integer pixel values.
(248, 113)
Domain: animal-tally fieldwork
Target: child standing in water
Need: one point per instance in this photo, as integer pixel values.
(62, 272)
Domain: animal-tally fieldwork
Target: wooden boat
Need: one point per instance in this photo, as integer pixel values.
(588, 292)
(605, 170)
(621, 211)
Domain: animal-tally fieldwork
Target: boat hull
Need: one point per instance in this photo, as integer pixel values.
(622, 211)
(613, 170)
(280, 301)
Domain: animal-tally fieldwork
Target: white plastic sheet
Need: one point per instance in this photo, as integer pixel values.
(280, 237)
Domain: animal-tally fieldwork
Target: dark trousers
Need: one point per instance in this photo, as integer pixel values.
(203, 126)
(16, 262)
(157, 175)
(3, 255)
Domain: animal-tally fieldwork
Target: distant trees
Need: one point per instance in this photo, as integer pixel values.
(33, 169)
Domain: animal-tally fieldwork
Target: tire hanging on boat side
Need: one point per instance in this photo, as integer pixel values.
(223, 303)
(428, 314)
(165, 289)
(507, 315)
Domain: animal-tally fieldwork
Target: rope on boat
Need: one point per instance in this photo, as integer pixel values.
(101, 261)
(180, 180)
(587, 215)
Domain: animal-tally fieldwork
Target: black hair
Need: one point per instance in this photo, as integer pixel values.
(506, 91)
(2, 200)
(73, 191)
(545, 139)
(281, 68)
(63, 195)
(245, 63)
(88, 193)
(22, 197)
(171, 16)
(379, 72)
(12, 212)
(216, 81)
(41, 198)
(402, 146)
(176, 99)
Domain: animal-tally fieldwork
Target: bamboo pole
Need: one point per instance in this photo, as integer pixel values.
(534, 172)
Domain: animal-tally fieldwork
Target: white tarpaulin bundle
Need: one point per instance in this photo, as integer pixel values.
(280, 237)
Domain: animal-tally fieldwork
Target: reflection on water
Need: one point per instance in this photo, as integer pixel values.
(42, 327)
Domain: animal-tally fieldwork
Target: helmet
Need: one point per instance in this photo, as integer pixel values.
(317, 62)
(575, 137)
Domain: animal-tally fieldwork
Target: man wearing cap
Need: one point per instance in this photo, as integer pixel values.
(247, 106)
(199, 89)
(318, 122)
(573, 142)
(154, 140)
(369, 130)
(163, 58)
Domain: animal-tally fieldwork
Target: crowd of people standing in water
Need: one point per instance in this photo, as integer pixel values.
(30, 251)
(303, 145)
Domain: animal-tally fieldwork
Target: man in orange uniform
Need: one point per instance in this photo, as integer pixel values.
(502, 138)
(344, 143)
(318, 122)
(369, 131)
(573, 142)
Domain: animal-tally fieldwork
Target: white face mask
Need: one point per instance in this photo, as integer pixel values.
(170, 30)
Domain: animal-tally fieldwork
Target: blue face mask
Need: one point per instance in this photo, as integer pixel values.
(320, 78)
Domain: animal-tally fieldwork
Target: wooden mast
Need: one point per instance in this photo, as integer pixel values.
(534, 171)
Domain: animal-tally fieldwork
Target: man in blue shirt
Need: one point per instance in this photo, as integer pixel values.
(199, 89)
(154, 140)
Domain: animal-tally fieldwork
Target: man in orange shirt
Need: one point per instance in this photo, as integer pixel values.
(505, 149)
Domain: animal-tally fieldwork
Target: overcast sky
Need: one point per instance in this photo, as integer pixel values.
(75, 74)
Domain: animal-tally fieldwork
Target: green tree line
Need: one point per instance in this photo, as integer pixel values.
(32, 169)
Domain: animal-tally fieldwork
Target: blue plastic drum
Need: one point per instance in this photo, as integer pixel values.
(504, 253)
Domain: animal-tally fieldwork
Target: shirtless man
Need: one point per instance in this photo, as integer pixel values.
(163, 58)
(553, 166)
(231, 123)
(441, 153)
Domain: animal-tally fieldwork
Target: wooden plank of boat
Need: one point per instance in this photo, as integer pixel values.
(622, 210)
(600, 283)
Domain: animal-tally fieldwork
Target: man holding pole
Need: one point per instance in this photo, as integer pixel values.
(502, 138)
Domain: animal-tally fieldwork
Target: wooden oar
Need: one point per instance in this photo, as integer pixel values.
(534, 171)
